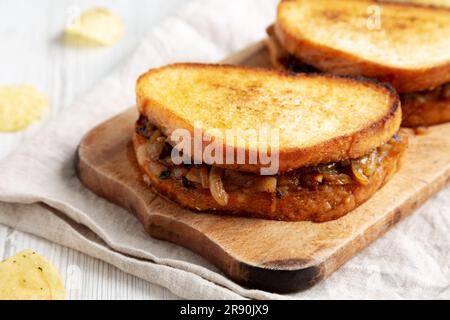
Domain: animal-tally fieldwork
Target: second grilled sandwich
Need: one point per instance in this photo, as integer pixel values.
(405, 45)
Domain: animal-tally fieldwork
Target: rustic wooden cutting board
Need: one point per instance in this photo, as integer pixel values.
(270, 255)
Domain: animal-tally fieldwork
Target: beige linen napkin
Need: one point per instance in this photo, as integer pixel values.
(41, 194)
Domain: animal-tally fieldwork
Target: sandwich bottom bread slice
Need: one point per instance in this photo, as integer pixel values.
(423, 108)
(345, 176)
(319, 193)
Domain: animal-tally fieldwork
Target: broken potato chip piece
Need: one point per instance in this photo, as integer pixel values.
(98, 26)
(20, 106)
(29, 276)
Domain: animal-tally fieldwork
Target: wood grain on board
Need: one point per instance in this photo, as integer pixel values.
(270, 255)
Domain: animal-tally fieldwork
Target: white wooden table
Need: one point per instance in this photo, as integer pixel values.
(30, 52)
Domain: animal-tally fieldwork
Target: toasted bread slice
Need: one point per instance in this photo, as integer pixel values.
(405, 45)
(320, 118)
(292, 202)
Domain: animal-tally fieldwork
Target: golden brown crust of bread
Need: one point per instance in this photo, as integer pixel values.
(344, 147)
(332, 60)
(338, 148)
(301, 205)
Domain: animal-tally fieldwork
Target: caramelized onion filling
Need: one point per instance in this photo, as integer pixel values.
(222, 181)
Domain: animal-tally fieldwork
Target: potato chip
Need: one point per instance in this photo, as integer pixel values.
(98, 26)
(20, 106)
(29, 276)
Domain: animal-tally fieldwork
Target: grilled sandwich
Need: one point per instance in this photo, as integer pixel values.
(335, 140)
